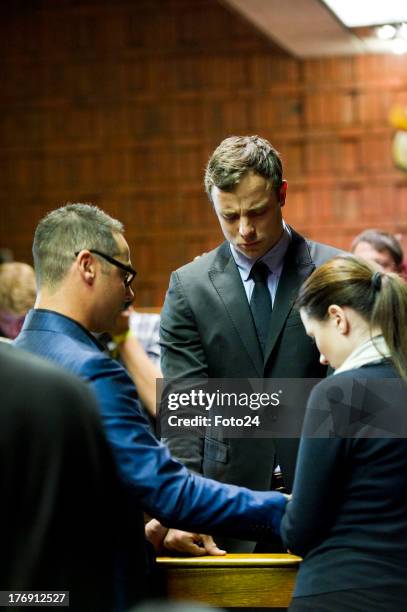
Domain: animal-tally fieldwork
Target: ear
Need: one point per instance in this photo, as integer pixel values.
(338, 317)
(86, 266)
(282, 193)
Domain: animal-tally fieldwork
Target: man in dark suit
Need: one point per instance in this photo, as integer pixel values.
(61, 500)
(223, 319)
(84, 276)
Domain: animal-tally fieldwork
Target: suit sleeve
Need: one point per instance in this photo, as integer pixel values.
(182, 357)
(317, 484)
(163, 486)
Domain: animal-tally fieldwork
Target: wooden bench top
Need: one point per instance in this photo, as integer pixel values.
(241, 581)
(232, 560)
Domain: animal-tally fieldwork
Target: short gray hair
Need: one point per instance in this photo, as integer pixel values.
(237, 155)
(66, 230)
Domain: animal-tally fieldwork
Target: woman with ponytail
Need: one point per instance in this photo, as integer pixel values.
(348, 514)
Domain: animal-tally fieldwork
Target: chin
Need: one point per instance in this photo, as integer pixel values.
(254, 252)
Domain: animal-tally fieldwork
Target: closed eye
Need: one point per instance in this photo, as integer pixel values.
(230, 217)
(257, 213)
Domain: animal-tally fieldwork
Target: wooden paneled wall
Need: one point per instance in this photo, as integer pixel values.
(120, 104)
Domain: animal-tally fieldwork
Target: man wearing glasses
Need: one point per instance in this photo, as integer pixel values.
(84, 276)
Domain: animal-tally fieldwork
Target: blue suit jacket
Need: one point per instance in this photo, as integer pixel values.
(161, 485)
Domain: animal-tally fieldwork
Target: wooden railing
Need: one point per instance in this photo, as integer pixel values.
(253, 581)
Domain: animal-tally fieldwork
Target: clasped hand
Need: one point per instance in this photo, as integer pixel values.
(175, 540)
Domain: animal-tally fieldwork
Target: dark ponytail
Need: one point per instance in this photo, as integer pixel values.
(379, 297)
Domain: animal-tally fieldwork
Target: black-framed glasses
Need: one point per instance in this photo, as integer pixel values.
(130, 272)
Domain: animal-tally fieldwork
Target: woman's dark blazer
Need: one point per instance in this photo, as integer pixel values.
(348, 515)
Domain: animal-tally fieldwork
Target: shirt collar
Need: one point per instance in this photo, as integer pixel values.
(273, 258)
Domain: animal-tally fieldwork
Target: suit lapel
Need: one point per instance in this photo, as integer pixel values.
(225, 277)
(298, 265)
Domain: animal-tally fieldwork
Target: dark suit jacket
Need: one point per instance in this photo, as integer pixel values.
(58, 485)
(207, 330)
(348, 516)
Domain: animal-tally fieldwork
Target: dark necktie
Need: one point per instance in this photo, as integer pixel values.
(260, 302)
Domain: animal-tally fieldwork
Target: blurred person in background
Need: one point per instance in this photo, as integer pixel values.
(17, 296)
(146, 327)
(380, 247)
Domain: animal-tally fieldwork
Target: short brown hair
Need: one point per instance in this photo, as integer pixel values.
(381, 241)
(237, 155)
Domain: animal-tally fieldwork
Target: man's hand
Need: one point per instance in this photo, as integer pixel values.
(195, 544)
(155, 533)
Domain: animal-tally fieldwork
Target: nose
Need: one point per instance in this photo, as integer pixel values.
(323, 360)
(246, 228)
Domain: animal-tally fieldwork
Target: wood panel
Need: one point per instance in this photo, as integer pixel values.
(120, 103)
(235, 580)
